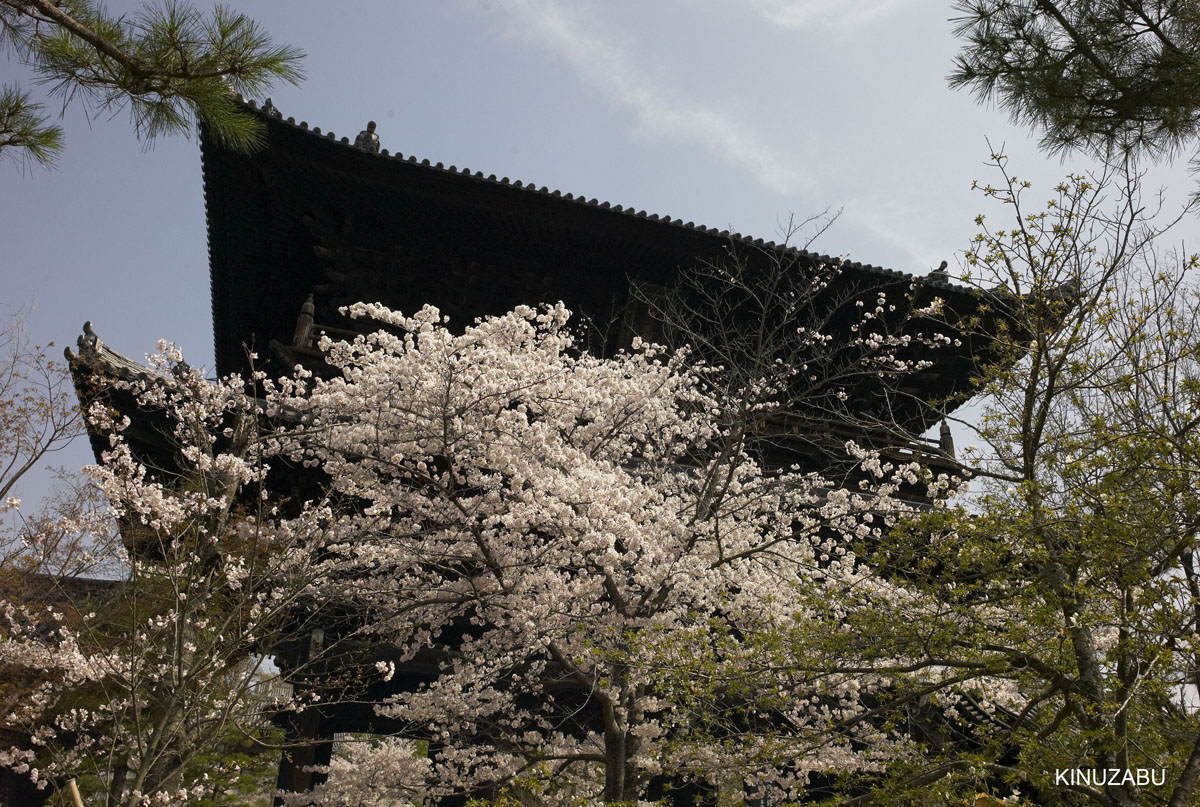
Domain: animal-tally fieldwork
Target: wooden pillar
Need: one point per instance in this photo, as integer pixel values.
(306, 745)
(322, 754)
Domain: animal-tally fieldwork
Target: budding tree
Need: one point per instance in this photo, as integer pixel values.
(38, 418)
(1062, 603)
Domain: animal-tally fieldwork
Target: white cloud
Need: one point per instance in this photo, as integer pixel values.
(662, 111)
(840, 15)
(908, 223)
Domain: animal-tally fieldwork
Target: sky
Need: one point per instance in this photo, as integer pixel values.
(734, 114)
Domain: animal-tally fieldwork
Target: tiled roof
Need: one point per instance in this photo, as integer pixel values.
(312, 213)
(268, 110)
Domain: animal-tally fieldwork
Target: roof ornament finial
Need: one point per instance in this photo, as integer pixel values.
(269, 109)
(946, 439)
(940, 274)
(89, 341)
(304, 324)
(367, 140)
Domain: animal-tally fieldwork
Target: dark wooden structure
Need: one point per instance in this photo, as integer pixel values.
(311, 223)
(311, 214)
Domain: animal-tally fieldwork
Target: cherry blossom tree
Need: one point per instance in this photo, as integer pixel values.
(381, 772)
(570, 567)
(559, 532)
(125, 684)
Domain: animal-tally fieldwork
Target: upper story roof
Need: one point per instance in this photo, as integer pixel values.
(311, 213)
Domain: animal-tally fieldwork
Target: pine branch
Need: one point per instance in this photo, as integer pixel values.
(168, 64)
(24, 126)
(1105, 76)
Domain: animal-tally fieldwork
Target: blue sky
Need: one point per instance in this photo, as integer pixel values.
(730, 113)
